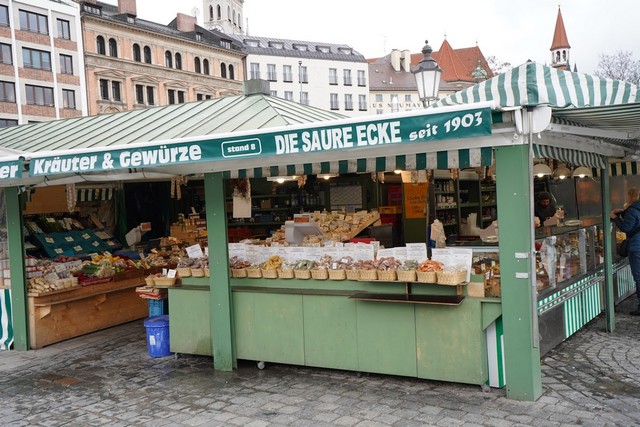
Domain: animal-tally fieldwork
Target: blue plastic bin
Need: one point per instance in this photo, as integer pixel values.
(158, 336)
(158, 307)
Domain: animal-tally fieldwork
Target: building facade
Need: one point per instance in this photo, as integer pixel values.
(324, 75)
(133, 63)
(41, 62)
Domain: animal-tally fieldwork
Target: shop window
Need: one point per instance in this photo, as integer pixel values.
(33, 22)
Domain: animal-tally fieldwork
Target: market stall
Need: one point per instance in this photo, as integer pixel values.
(469, 135)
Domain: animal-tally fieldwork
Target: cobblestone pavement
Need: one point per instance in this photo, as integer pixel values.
(107, 378)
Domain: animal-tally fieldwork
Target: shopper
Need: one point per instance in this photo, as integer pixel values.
(628, 220)
(545, 206)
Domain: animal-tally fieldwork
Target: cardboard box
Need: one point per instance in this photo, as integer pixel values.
(390, 210)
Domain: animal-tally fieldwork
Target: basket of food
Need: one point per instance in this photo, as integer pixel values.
(302, 269)
(302, 274)
(426, 272)
(368, 275)
(238, 267)
(150, 280)
(164, 281)
(197, 272)
(207, 272)
(387, 267)
(352, 274)
(270, 267)
(339, 274)
(184, 271)
(451, 276)
(319, 273)
(407, 271)
(286, 273)
(239, 273)
(387, 275)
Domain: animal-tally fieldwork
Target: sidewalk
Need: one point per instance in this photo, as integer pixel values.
(107, 378)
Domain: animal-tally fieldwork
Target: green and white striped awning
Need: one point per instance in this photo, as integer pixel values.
(463, 158)
(6, 320)
(624, 168)
(572, 157)
(94, 194)
(533, 84)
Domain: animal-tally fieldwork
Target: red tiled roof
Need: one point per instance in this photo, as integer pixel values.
(457, 64)
(560, 39)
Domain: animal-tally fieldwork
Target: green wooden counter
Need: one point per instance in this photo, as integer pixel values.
(419, 330)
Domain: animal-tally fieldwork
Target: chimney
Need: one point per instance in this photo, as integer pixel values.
(127, 6)
(395, 59)
(406, 60)
(186, 23)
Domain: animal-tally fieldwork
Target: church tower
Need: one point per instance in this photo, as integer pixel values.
(560, 46)
(225, 16)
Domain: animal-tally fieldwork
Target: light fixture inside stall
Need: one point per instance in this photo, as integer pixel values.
(541, 170)
(327, 176)
(562, 171)
(582, 172)
(281, 179)
(397, 171)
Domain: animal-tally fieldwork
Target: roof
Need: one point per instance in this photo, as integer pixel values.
(383, 77)
(220, 115)
(298, 48)
(457, 64)
(560, 39)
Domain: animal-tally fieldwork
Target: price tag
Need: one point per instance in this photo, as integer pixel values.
(194, 251)
(60, 267)
(171, 274)
(51, 277)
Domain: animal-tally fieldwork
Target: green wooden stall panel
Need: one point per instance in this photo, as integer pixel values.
(450, 343)
(330, 332)
(386, 338)
(269, 327)
(189, 321)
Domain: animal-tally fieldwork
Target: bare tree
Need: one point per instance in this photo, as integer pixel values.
(497, 66)
(619, 66)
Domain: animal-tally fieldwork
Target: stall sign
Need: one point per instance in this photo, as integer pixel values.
(353, 134)
(11, 170)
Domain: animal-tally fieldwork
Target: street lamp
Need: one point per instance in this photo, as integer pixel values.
(427, 76)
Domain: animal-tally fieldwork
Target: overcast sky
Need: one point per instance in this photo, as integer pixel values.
(511, 30)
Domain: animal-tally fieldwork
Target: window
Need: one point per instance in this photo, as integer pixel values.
(255, 71)
(39, 95)
(178, 61)
(147, 54)
(223, 70)
(113, 48)
(288, 95)
(7, 92)
(407, 97)
(175, 95)
(362, 80)
(333, 76)
(139, 94)
(4, 16)
(273, 93)
(66, 64)
(219, 12)
(333, 100)
(5, 54)
(205, 66)
(64, 29)
(100, 46)
(172, 96)
(137, 55)
(304, 77)
(105, 85)
(232, 74)
(33, 22)
(272, 75)
(181, 97)
(362, 102)
(150, 96)
(225, 44)
(141, 91)
(196, 65)
(210, 13)
(33, 58)
(199, 97)
(348, 101)
(347, 77)
(168, 59)
(287, 75)
(8, 122)
(68, 99)
(92, 9)
(379, 97)
(304, 98)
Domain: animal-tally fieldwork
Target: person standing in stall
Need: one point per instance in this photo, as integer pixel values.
(628, 220)
(545, 206)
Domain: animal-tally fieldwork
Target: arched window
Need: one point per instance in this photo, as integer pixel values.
(196, 63)
(205, 66)
(113, 48)
(234, 17)
(228, 14)
(100, 46)
(178, 61)
(211, 13)
(231, 72)
(219, 10)
(564, 55)
(223, 70)
(137, 55)
(147, 54)
(239, 20)
(168, 59)
(558, 56)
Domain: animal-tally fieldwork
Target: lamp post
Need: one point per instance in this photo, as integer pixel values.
(427, 76)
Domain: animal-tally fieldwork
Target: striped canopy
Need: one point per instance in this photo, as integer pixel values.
(533, 84)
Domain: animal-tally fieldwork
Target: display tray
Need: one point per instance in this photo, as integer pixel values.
(94, 281)
(409, 298)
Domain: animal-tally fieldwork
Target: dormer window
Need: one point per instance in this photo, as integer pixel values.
(323, 49)
(225, 44)
(346, 50)
(131, 19)
(300, 47)
(252, 43)
(199, 37)
(276, 45)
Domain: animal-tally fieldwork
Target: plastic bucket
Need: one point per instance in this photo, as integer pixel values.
(158, 336)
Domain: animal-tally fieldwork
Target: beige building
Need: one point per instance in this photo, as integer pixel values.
(132, 63)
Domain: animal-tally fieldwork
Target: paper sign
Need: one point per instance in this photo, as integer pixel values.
(171, 274)
(454, 257)
(297, 254)
(384, 253)
(241, 207)
(363, 252)
(400, 253)
(417, 251)
(315, 253)
(194, 251)
(415, 200)
(51, 277)
(237, 250)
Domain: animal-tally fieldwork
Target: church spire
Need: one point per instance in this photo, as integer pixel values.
(560, 45)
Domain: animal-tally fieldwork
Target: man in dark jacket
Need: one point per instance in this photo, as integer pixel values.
(544, 208)
(628, 220)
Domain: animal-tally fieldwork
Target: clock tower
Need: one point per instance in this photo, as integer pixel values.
(225, 16)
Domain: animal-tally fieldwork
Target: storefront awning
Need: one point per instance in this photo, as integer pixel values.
(572, 157)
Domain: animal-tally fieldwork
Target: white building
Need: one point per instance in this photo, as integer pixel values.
(41, 61)
(324, 75)
(225, 16)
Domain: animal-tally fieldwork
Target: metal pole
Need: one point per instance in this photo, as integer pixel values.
(300, 79)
